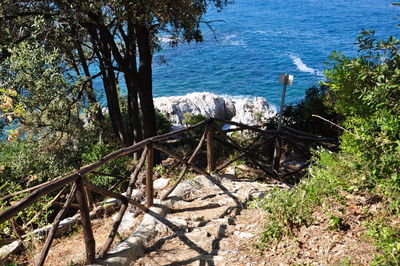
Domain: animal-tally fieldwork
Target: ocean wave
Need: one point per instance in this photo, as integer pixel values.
(167, 39)
(303, 67)
(230, 36)
(261, 31)
(232, 39)
(164, 39)
(237, 43)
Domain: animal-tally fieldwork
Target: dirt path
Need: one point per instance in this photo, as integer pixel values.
(211, 226)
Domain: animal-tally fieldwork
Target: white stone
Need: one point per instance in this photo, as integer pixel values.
(243, 234)
(245, 110)
(253, 110)
(9, 249)
(126, 222)
(161, 183)
(135, 193)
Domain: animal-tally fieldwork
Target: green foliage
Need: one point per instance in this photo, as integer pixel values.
(288, 210)
(95, 152)
(191, 119)
(335, 223)
(317, 101)
(365, 92)
(163, 123)
(368, 94)
(387, 238)
(44, 129)
(37, 99)
(27, 163)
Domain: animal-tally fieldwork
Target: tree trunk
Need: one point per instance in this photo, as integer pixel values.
(110, 87)
(132, 85)
(133, 108)
(145, 82)
(89, 89)
(146, 85)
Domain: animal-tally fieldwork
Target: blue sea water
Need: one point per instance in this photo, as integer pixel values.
(261, 39)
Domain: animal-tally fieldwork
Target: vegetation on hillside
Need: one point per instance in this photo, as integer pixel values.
(365, 93)
(55, 124)
(105, 39)
(51, 120)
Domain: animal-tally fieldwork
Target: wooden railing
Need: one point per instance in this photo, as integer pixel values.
(80, 185)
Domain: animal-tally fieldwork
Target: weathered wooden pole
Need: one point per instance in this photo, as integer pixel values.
(149, 177)
(210, 147)
(107, 244)
(90, 243)
(53, 230)
(89, 200)
(285, 79)
(186, 167)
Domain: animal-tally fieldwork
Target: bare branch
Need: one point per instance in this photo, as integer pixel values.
(208, 23)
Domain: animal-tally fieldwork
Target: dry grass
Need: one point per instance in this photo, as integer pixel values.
(70, 249)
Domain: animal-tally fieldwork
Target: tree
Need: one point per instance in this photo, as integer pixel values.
(118, 36)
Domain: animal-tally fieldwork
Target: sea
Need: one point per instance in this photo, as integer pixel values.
(253, 41)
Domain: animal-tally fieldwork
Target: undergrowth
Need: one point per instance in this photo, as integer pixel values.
(365, 91)
(330, 182)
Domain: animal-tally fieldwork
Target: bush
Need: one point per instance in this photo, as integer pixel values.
(164, 125)
(120, 166)
(288, 210)
(366, 93)
(24, 164)
(317, 101)
(191, 119)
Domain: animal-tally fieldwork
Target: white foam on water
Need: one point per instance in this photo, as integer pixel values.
(164, 39)
(261, 32)
(303, 67)
(237, 43)
(232, 39)
(230, 36)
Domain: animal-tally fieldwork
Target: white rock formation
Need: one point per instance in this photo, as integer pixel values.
(244, 110)
(252, 110)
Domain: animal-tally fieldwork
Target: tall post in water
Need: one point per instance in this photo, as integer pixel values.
(285, 80)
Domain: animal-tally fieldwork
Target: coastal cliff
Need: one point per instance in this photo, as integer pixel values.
(243, 110)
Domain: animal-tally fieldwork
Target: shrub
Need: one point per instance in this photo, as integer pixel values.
(163, 123)
(366, 93)
(191, 119)
(317, 101)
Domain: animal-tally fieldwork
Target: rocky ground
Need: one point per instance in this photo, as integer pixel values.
(243, 110)
(213, 225)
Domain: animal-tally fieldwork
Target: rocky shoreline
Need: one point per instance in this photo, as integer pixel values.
(244, 110)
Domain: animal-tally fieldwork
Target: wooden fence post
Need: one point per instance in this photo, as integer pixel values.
(149, 177)
(277, 154)
(90, 243)
(210, 147)
(53, 230)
